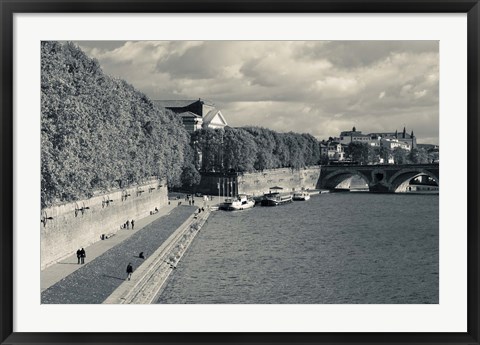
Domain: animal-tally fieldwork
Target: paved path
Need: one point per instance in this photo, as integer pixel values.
(53, 274)
(98, 278)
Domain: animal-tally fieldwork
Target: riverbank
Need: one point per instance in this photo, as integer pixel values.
(58, 271)
(68, 226)
(94, 281)
(149, 280)
(64, 276)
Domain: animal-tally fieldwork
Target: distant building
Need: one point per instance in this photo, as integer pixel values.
(391, 144)
(333, 150)
(348, 137)
(392, 139)
(195, 114)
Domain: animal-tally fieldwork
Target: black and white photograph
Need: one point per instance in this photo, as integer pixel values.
(240, 172)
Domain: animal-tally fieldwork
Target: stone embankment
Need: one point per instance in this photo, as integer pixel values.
(258, 183)
(99, 278)
(69, 226)
(149, 280)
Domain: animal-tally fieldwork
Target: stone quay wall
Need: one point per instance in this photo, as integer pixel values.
(290, 180)
(69, 226)
(258, 183)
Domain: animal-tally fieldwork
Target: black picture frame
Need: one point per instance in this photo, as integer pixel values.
(10, 7)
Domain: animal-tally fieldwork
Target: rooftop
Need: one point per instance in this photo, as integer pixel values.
(180, 103)
(189, 114)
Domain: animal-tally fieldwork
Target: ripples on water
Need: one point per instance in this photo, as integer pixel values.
(334, 248)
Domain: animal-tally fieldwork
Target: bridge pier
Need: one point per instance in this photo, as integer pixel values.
(379, 188)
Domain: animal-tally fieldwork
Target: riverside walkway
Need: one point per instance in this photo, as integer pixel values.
(94, 281)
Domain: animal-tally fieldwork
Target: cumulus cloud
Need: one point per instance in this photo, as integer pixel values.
(320, 88)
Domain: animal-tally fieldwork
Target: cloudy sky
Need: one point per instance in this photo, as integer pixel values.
(315, 87)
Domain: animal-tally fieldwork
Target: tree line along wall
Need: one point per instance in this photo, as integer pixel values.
(258, 183)
(78, 224)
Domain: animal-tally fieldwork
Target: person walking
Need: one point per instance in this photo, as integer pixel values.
(82, 256)
(129, 270)
(133, 223)
(128, 224)
(79, 255)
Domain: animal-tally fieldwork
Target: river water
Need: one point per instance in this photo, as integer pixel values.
(334, 248)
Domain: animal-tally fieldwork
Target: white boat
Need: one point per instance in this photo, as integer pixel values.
(301, 196)
(241, 202)
(275, 199)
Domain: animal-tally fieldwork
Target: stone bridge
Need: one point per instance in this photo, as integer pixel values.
(380, 178)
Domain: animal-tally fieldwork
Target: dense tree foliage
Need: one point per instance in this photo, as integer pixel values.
(416, 156)
(277, 150)
(99, 132)
(366, 154)
(358, 152)
(254, 149)
(400, 156)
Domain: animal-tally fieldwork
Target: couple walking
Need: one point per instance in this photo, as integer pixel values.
(81, 256)
(127, 224)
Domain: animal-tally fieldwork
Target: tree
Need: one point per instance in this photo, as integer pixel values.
(400, 156)
(358, 152)
(190, 176)
(422, 156)
(239, 150)
(210, 143)
(413, 156)
(432, 155)
(323, 160)
(384, 153)
(373, 154)
(265, 142)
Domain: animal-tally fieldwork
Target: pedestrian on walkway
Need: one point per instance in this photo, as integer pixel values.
(193, 201)
(82, 255)
(129, 271)
(79, 255)
(133, 223)
(128, 224)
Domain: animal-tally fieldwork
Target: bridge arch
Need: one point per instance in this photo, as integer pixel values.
(403, 177)
(333, 179)
(381, 178)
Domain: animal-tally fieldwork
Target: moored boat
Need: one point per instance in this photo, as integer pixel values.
(301, 196)
(241, 202)
(275, 199)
